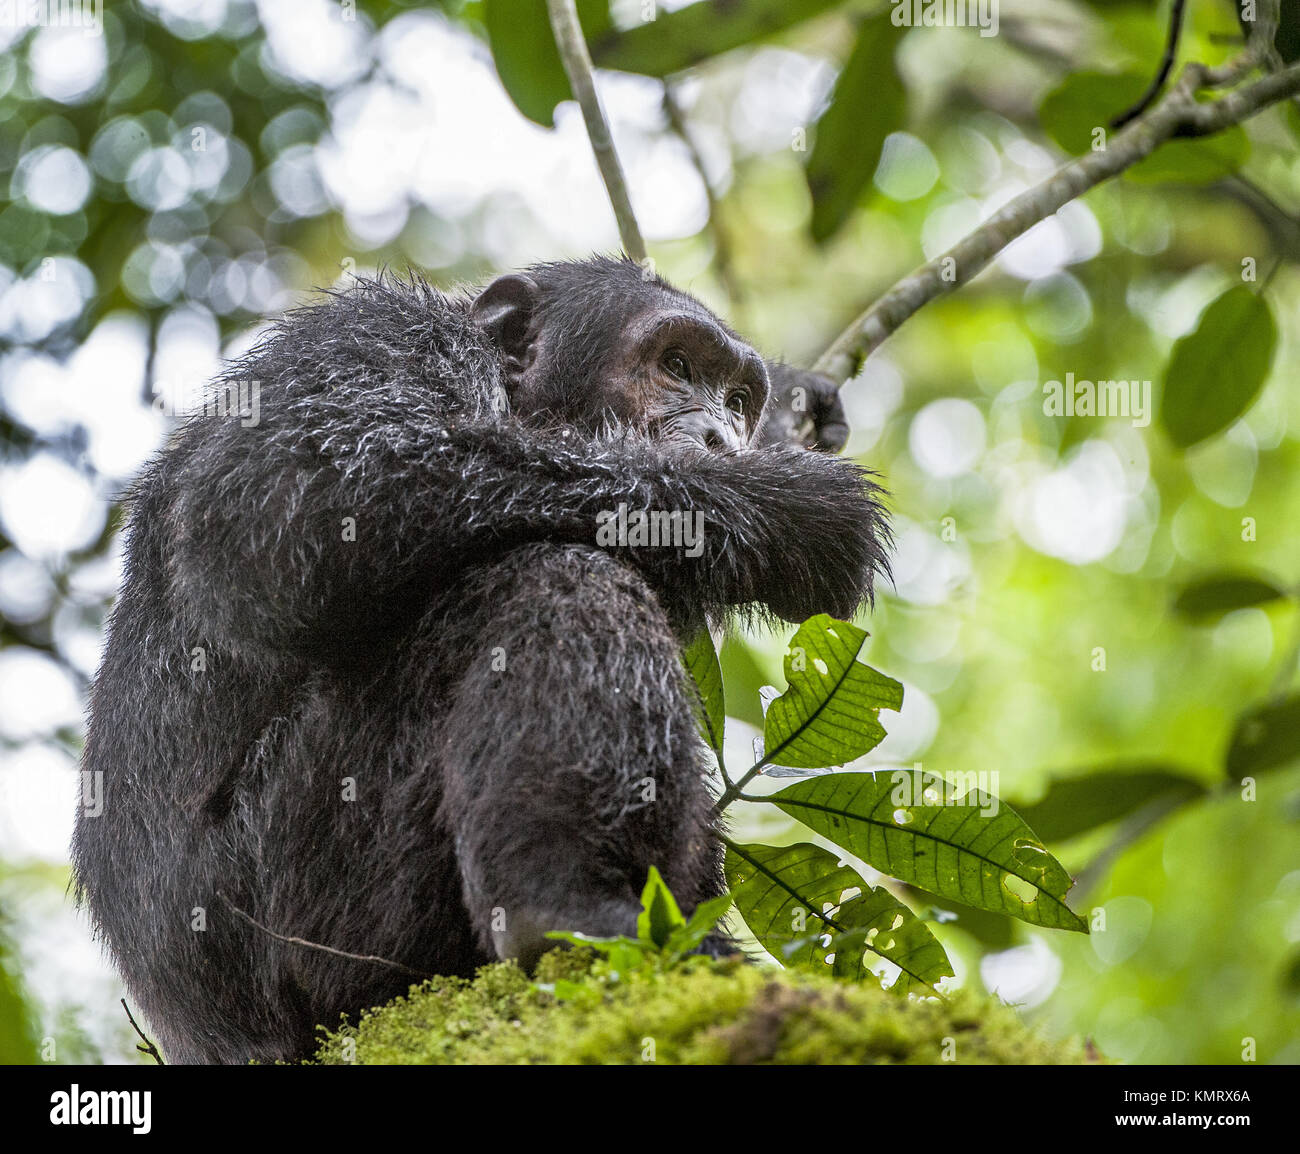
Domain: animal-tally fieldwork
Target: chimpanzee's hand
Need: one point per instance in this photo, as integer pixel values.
(804, 410)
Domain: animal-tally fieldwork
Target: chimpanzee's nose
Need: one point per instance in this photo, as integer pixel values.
(715, 435)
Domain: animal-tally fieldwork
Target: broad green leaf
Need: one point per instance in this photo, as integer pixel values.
(1266, 738)
(699, 926)
(659, 914)
(1216, 370)
(781, 893)
(523, 49)
(1073, 112)
(875, 922)
(673, 41)
(977, 850)
(745, 679)
(790, 895)
(1211, 597)
(701, 661)
(1075, 805)
(868, 103)
(830, 712)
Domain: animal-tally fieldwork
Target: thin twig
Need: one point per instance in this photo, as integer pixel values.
(735, 791)
(1178, 114)
(578, 68)
(148, 1047)
(374, 958)
(722, 252)
(1166, 67)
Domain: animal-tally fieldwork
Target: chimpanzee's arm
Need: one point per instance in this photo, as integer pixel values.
(339, 503)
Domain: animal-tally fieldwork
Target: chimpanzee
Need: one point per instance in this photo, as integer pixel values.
(375, 680)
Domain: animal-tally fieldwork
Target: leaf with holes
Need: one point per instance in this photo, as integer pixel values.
(875, 924)
(1216, 371)
(701, 661)
(783, 894)
(977, 851)
(830, 712)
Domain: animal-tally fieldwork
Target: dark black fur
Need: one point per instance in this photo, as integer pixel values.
(326, 660)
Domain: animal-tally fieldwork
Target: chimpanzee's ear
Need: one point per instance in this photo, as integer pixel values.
(505, 310)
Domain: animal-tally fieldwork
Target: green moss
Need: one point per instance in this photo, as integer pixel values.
(702, 1012)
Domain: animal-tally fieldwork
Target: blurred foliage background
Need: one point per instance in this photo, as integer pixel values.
(1097, 615)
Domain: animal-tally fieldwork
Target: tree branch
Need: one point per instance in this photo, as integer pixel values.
(577, 66)
(1178, 114)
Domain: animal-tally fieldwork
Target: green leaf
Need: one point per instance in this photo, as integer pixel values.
(523, 49)
(868, 103)
(1211, 597)
(783, 894)
(1077, 804)
(1072, 113)
(778, 889)
(875, 922)
(673, 41)
(622, 953)
(1266, 738)
(977, 851)
(659, 914)
(701, 661)
(1216, 371)
(699, 926)
(745, 678)
(830, 712)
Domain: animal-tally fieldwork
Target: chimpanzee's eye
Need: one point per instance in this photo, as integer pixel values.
(736, 403)
(676, 363)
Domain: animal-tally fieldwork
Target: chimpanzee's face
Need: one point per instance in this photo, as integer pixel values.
(680, 376)
(614, 352)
